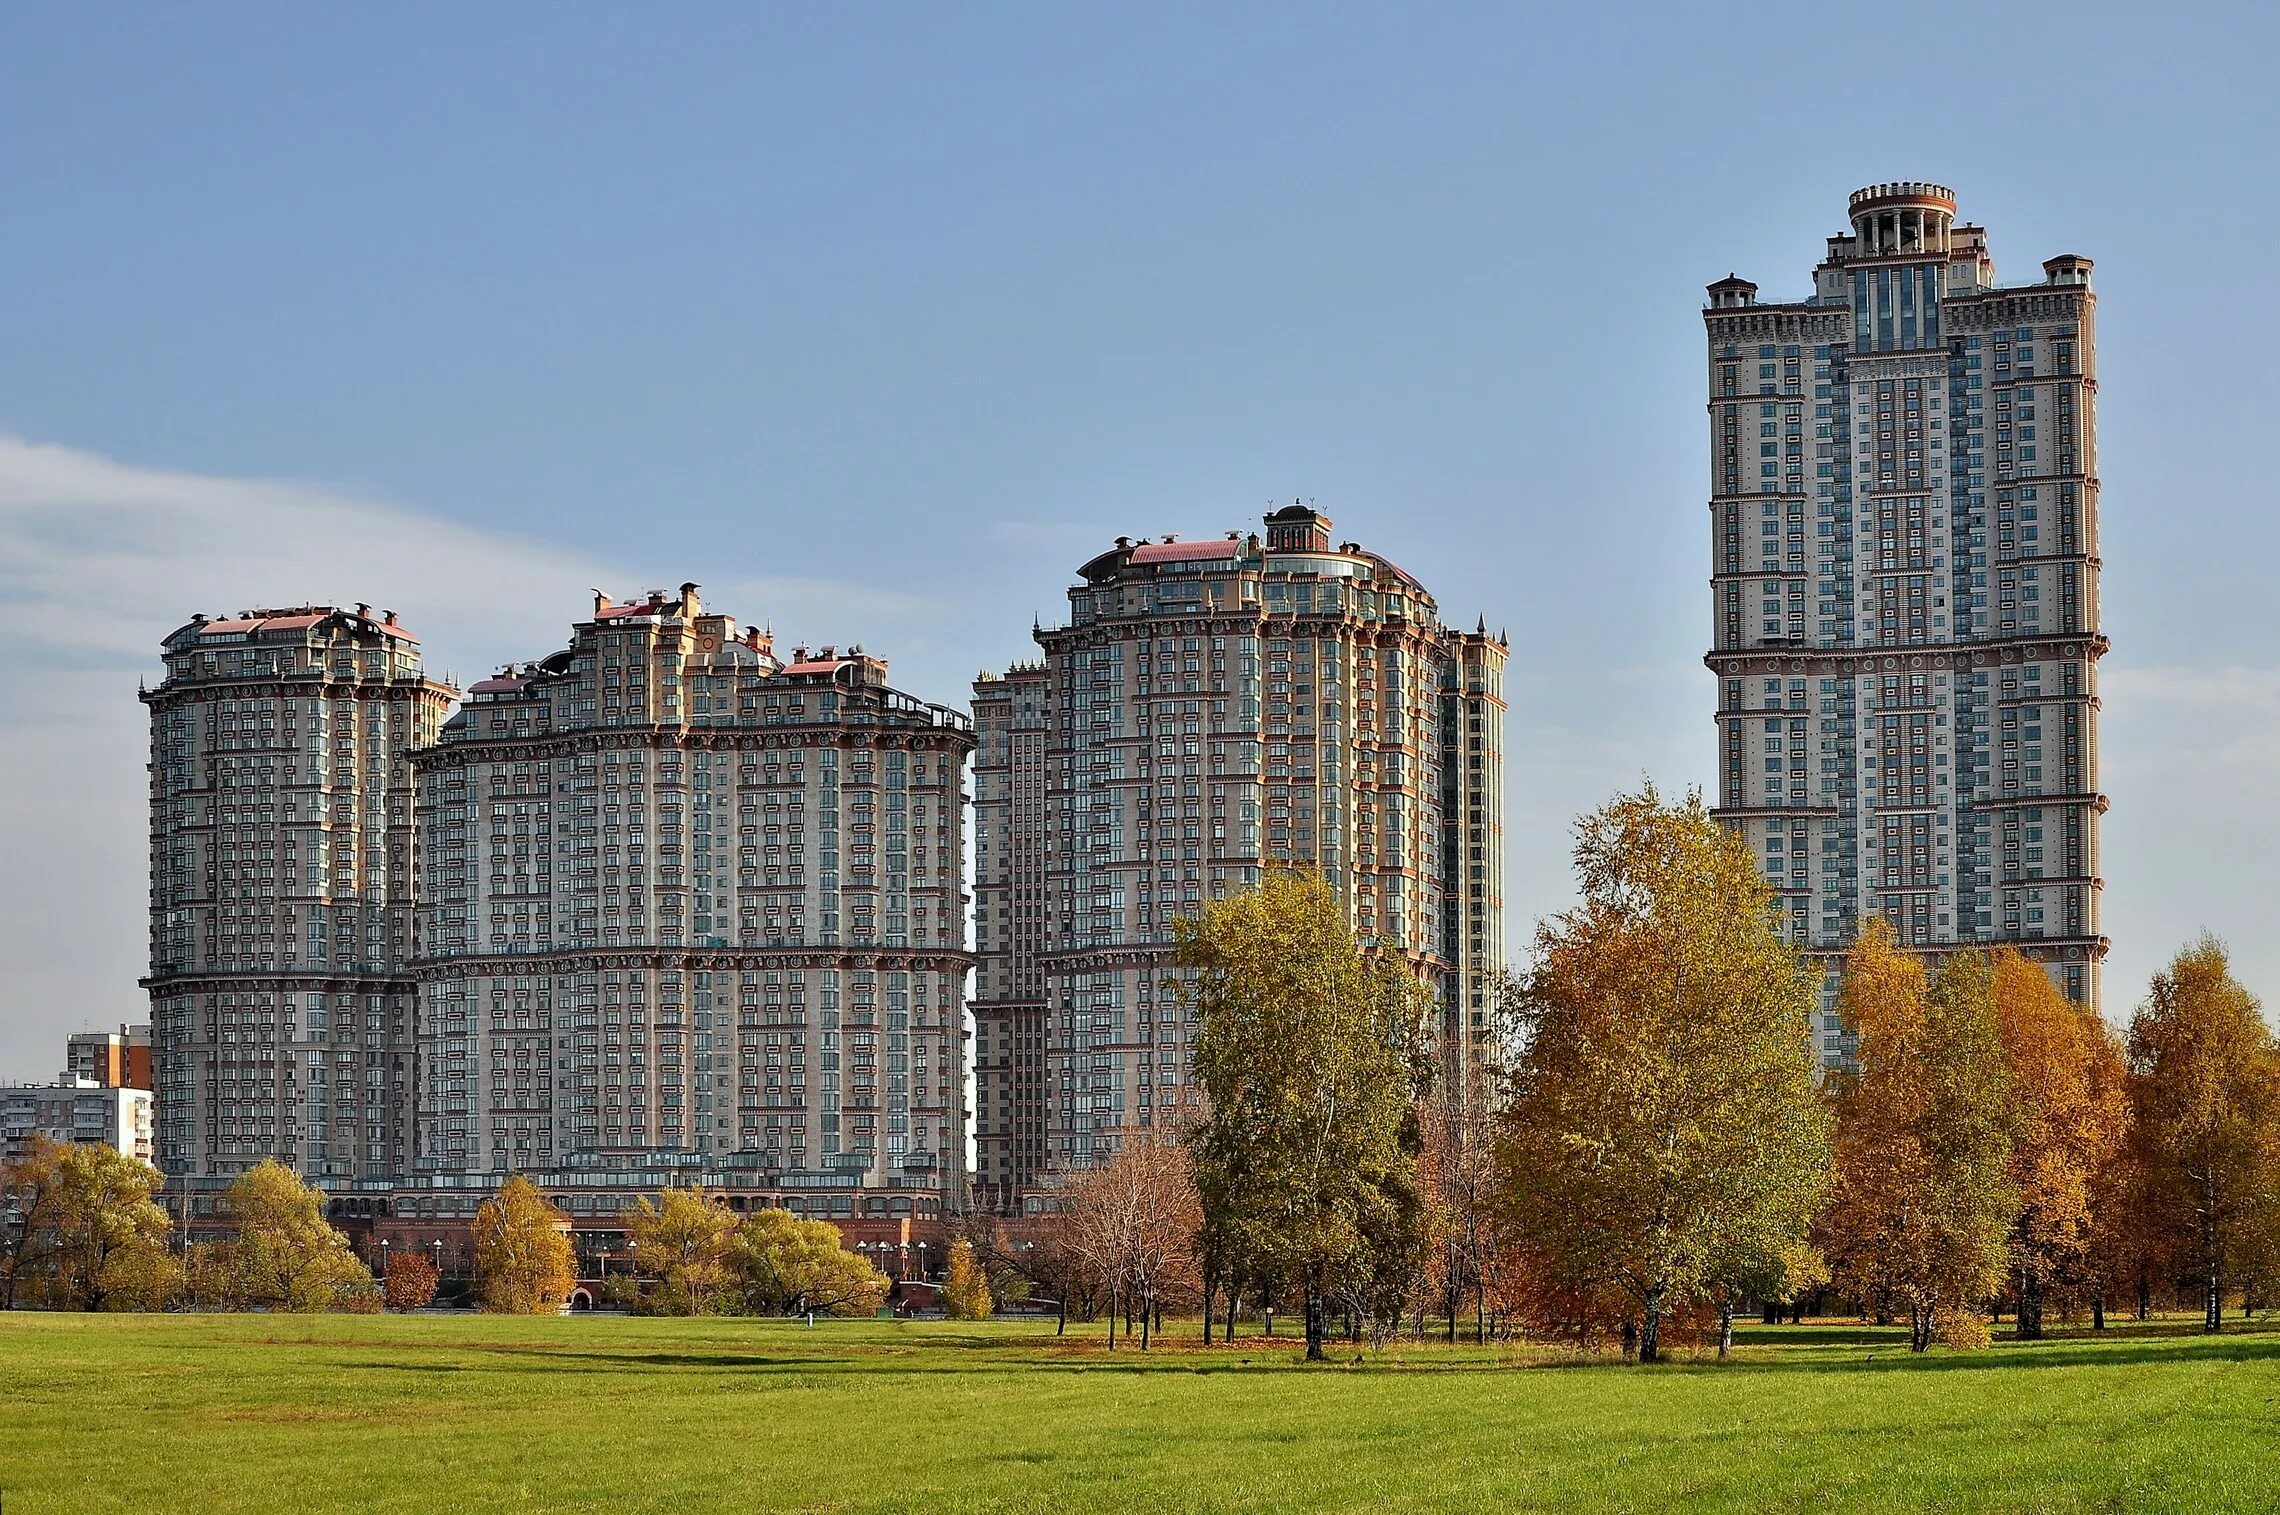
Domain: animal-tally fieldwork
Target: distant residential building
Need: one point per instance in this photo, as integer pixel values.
(692, 913)
(281, 895)
(75, 1110)
(1212, 708)
(1904, 569)
(113, 1059)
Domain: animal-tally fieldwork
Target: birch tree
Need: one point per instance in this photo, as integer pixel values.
(1924, 1201)
(1665, 1145)
(1310, 1056)
(2206, 1088)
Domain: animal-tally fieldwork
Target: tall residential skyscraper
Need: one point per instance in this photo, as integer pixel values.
(691, 913)
(1211, 708)
(281, 875)
(1904, 571)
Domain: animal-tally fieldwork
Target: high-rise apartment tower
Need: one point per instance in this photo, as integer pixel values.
(281, 866)
(1904, 587)
(1213, 708)
(693, 913)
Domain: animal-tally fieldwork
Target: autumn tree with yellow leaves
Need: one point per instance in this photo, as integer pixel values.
(524, 1263)
(2205, 1084)
(1665, 1147)
(2070, 1110)
(81, 1229)
(965, 1287)
(682, 1243)
(1925, 1200)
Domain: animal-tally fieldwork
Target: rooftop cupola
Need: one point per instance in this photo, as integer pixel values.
(1904, 219)
(1298, 528)
(1732, 292)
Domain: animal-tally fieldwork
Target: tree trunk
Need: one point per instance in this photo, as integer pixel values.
(1147, 1308)
(1316, 1323)
(1725, 1326)
(1112, 1320)
(1797, 1311)
(2213, 1302)
(2098, 1310)
(2144, 1297)
(1234, 1302)
(1061, 1312)
(1772, 1313)
(1920, 1329)
(1650, 1328)
(2030, 1304)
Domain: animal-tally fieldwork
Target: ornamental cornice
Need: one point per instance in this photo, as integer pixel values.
(430, 970)
(169, 695)
(468, 752)
(1908, 658)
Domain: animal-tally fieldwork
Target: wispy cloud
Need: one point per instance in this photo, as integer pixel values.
(99, 559)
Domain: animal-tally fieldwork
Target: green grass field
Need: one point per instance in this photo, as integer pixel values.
(430, 1414)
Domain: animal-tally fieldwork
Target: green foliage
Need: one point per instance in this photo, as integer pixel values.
(965, 1287)
(87, 1232)
(524, 1263)
(283, 1255)
(1310, 1056)
(1665, 1146)
(784, 1265)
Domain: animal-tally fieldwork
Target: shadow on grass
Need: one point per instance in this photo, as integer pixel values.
(1829, 1349)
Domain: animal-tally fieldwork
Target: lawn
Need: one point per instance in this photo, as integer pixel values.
(441, 1413)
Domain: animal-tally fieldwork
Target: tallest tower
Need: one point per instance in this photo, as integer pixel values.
(1904, 585)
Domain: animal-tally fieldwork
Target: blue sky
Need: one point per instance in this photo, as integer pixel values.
(877, 322)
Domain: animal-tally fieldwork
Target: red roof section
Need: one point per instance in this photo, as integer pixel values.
(819, 665)
(495, 686)
(297, 620)
(1184, 552)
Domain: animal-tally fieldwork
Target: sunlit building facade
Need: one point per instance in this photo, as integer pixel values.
(1904, 571)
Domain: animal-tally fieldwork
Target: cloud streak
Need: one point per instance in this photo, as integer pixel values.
(100, 559)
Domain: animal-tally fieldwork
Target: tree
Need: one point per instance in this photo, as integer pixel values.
(1133, 1220)
(1309, 1055)
(85, 1230)
(965, 1287)
(31, 1202)
(2206, 1088)
(1665, 1146)
(1923, 1202)
(2071, 1108)
(410, 1281)
(784, 1265)
(524, 1263)
(682, 1242)
(1458, 1169)
(283, 1255)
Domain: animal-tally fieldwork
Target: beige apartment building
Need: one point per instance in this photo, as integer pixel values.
(77, 1110)
(1904, 584)
(692, 912)
(1213, 708)
(282, 867)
